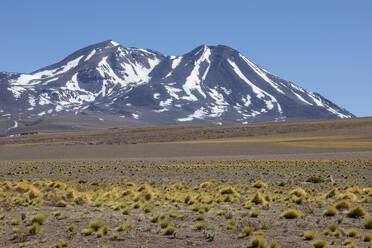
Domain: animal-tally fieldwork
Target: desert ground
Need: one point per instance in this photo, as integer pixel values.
(292, 184)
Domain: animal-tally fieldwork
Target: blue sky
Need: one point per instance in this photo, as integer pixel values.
(323, 46)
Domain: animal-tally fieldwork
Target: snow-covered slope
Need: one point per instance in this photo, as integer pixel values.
(210, 84)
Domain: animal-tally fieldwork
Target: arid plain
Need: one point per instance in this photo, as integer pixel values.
(287, 184)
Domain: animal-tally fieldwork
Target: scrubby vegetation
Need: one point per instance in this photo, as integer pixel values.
(244, 202)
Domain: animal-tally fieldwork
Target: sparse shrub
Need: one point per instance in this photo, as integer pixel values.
(290, 214)
(246, 232)
(357, 212)
(331, 211)
(309, 235)
(320, 243)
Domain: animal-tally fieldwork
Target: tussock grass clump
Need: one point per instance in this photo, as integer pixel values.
(290, 214)
(39, 219)
(176, 215)
(315, 179)
(83, 198)
(102, 231)
(228, 190)
(201, 226)
(347, 196)
(87, 231)
(352, 232)
(147, 208)
(34, 193)
(259, 185)
(15, 222)
(309, 235)
(299, 192)
(71, 228)
(320, 243)
(124, 227)
(331, 211)
(246, 232)
(343, 205)
(154, 219)
(255, 213)
(16, 232)
(127, 192)
(258, 199)
(331, 228)
(164, 224)
(61, 204)
(62, 243)
(356, 212)
(274, 244)
(258, 242)
(367, 237)
(96, 224)
(125, 211)
(170, 230)
(200, 217)
(334, 192)
(205, 185)
(368, 222)
(231, 225)
(34, 228)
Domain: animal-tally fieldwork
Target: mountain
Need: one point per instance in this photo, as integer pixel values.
(108, 85)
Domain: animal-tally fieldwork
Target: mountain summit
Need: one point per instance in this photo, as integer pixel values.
(124, 86)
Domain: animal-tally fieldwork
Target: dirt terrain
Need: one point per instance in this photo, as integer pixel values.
(185, 203)
(290, 184)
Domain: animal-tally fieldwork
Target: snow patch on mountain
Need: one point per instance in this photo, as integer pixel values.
(193, 80)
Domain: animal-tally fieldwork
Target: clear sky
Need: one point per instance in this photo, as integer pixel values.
(323, 46)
